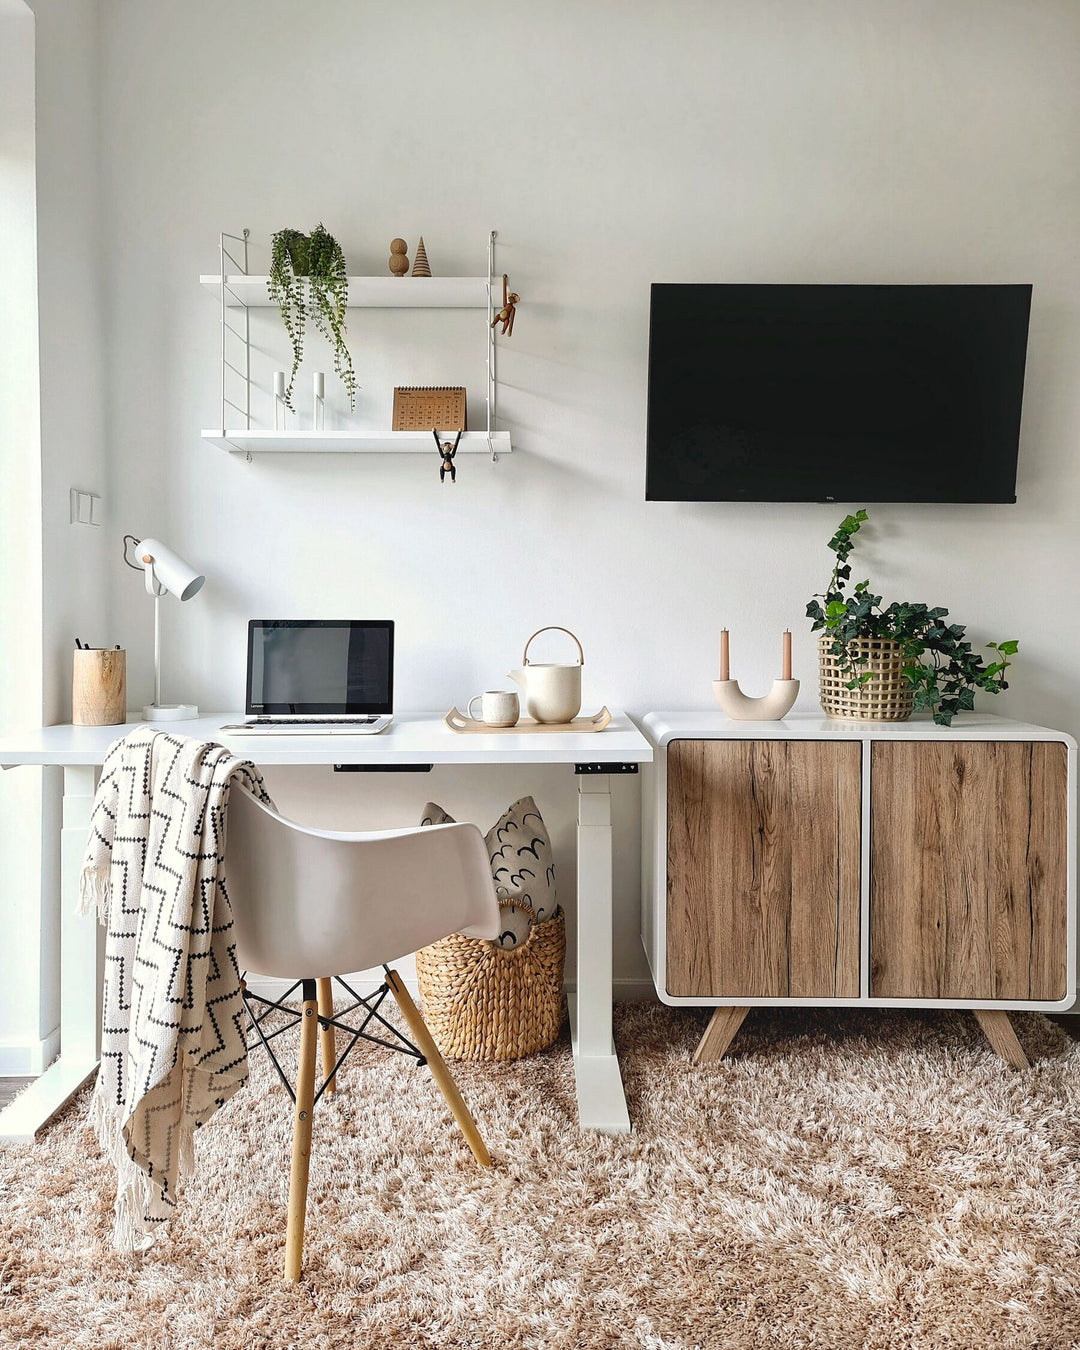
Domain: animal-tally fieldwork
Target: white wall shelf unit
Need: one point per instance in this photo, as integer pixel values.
(238, 291)
(244, 291)
(350, 442)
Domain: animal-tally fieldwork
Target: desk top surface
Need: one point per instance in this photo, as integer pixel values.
(412, 738)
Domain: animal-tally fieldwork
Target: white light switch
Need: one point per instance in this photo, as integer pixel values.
(85, 508)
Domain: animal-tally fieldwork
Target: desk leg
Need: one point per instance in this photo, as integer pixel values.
(601, 1101)
(80, 977)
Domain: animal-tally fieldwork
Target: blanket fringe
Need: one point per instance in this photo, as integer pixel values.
(95, 892)
(139, 1209)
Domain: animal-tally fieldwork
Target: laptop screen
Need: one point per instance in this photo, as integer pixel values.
(320, 667)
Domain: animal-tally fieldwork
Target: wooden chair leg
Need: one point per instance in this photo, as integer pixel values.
(301, 1145)
(998, 1030)
(327, 1039)
(719, 1034)
(427, 1047)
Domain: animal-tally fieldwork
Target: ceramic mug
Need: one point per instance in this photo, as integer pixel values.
(498, 707)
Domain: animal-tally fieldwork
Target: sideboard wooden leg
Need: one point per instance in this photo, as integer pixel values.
(719, 1034)
(998, 1030)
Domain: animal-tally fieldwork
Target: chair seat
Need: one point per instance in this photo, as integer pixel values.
(308, 903)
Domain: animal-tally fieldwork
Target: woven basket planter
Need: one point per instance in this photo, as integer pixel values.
(888, 697)
(487, 1002)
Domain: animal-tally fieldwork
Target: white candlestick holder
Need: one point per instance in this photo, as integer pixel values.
(318, 392)
(770, 707)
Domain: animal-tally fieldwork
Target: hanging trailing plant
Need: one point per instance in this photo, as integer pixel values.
(329, 283)
(308, 275)
(938, 662)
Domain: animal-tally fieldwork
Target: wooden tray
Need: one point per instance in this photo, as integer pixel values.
(468, 726)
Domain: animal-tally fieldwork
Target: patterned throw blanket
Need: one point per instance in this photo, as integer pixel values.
(173, 1044)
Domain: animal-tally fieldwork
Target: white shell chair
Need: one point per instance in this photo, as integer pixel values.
(314, 904)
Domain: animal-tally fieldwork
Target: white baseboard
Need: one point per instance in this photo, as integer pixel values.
(623, 990)
(28, 1059)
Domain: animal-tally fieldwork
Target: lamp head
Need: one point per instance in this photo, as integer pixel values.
(166, 571)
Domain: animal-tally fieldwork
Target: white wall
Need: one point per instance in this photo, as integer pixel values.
(54, 578)
(71, 282)
(611, 146)
(20, 542)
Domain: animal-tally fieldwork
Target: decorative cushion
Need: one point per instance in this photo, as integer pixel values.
(522, 866)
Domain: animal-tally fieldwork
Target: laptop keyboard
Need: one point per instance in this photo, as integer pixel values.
(311, 721)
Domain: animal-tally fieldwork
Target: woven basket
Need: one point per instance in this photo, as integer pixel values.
(487, 1002)
(888, 697)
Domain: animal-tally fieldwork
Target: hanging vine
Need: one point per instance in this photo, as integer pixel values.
(317, 260)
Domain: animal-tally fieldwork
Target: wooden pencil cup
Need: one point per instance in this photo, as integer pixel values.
(99, 687)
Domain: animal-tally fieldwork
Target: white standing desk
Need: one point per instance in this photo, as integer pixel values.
(415, 739)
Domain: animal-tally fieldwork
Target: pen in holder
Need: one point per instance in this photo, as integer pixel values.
(770, 707)
(99, 687)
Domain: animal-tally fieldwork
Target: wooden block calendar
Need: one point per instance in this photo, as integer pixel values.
(421, 407)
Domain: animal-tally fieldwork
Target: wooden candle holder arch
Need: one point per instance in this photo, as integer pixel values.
(770, 707)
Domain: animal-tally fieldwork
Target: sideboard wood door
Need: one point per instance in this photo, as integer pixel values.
(763, 868)
(968, 886)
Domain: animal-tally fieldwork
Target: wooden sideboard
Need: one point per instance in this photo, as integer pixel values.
(812, 861)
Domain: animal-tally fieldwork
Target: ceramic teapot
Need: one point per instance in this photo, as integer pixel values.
(552, 693)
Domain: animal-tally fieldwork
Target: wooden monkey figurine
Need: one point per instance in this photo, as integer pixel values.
(446, 454)
(505, 315)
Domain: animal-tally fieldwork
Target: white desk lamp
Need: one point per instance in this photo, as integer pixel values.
(166, 573)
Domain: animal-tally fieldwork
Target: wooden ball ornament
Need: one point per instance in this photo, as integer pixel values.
(399, 261)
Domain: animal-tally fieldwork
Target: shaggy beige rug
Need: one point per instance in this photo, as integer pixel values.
(871, 1180)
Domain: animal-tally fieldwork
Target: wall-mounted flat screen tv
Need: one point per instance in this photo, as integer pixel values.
(774, 393)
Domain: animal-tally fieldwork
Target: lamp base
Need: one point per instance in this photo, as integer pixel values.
(170, 712)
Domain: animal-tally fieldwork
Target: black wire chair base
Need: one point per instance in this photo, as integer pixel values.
(370, 1005)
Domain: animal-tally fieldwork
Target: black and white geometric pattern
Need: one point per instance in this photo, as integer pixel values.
(173, 1021)
(522, 866)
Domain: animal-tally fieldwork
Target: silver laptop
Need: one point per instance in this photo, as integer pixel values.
(318, 677)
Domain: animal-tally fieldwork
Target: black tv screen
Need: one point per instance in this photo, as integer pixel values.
(775, 393)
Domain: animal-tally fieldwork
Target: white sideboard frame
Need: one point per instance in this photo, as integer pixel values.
(664, 727)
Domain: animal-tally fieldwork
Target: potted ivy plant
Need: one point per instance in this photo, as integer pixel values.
(308, 278)
(881, 664)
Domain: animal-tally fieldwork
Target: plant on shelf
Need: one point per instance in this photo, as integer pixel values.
(317, 260)
(939, 667)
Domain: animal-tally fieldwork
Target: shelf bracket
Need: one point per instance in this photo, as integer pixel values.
(492, 381)
(226, 256)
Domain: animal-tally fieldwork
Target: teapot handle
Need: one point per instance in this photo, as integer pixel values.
(552, 628)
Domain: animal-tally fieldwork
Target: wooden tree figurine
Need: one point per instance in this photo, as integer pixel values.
(505, 315)
(421, 267)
